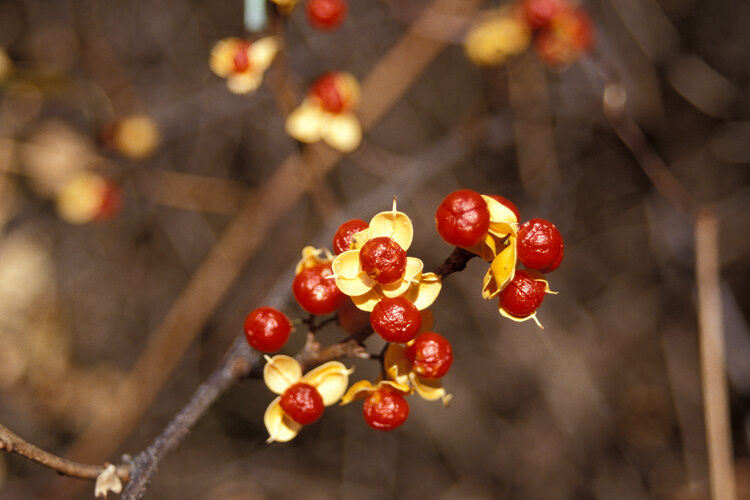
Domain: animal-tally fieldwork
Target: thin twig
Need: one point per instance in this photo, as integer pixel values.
(12, 443)
(454, 263)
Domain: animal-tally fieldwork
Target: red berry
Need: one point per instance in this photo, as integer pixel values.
(523, 295)
(351, 318)
(342, 240)
(385, 410)
(569, 34)
(540, 245)
(509, 204)
(326, 14)
(267, 329)
(315, 292)
(430, 355)
(539, 13)
(111, 201)
(396, 319)
(383, 259)
(326, 90)
(303, 403)
(241, 60)
(462, 218)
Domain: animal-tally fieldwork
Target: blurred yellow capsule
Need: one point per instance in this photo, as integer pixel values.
(493, 40)
(136, 136)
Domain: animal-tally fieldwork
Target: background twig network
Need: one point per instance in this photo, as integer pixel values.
(107, 330)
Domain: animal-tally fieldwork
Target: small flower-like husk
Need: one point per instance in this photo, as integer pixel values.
(500, 35)
(501, 271)
(310, 123)
(312, 257)
(503, 224)
(260, 54)
(78, 200)
(329, 379)
(363, 389)
(536, 276)
(398, 368)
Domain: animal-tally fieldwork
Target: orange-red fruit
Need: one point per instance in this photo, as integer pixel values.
(267, 329)
(396, 319)
(463, 218)
(509, 204)
(540, 245)
(326, 14)
(430, 355)
(241, 60)
(303, 403)
(315, 292)
(383, 259)
(567, 37)
(385, 410)
(342, 240)
(522, 296)
(539, 13)
(111, 201)
(327, 90)
(351, 318)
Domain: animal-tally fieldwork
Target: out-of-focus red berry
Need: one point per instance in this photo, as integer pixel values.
(326, 14)
(383, 259)
(540, 245)
(342, 240)
(385, 410)
(111, 201)
(241, 60)
(430, 355)
(267, 329)
(315, 292)
(569, 35)
(303, 403)
(505, 201)
(523, 295)
(351, 318)
(539, 13)
(396, 319)
(327, 90)
(462, 218)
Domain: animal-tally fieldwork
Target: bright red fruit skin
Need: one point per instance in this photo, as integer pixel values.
(383, 259)
(396, 319)
(539, 13)
(241, 60)
(342, 240)
(509, 204)
(540, 245)
(267, 329)
(326, 90)
(316, 293)
(111, 201)
(570, 34)
(303, 403)
(326, 14)
(385, 410)
(523, 295)
(430, 355)
(463, 218)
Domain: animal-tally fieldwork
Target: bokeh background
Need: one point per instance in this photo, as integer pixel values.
(604, 403)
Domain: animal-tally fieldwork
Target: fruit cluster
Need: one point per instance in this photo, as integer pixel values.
(488, 225)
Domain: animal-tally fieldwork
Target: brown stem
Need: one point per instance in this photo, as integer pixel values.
(12, 443)
(454, 263)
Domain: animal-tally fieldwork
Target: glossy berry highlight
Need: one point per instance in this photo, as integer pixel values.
(267, 329)
(326, 14)
(342, 240)
(396, 319)
(463, 218)
(523, 295)
(302, 403)
(385, 410)
(540, 245)
(383, 260)
(430, 355)
(315, 292)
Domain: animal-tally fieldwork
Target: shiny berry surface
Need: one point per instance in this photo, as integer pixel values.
(383, 260)
(462, 218)
(315, 292)
(522, 296)
(326, 14)
(507, 203)
(267, 329)
(327, 91)
(430, 355)
(241, 60)
(303, 403)
(396, 319)
(540, 245)
(342, 240)
(539, 13)
(385, 410)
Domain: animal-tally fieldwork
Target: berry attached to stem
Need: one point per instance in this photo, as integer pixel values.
(523, 295)
(463, 218)
(267, 329)
(540, 245)
(385, 410)
(303, 403)
(430, 355)
(383, 259)
(396, 319)
(315, 292)
(342, 240)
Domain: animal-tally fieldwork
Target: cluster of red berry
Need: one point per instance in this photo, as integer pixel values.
(562, 30)
(465, 219)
